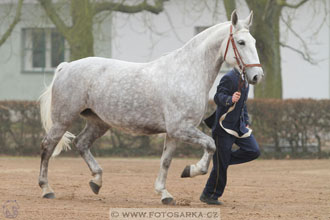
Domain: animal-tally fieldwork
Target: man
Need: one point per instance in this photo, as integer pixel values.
(230, 124)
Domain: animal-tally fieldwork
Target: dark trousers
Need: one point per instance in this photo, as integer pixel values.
(224, 156)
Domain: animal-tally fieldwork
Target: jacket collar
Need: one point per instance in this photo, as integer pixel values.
(236, 71)
(238, 75)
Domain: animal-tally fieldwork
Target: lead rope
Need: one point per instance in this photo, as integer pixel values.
(229, 131)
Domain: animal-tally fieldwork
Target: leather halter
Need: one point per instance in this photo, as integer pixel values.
(242, 66)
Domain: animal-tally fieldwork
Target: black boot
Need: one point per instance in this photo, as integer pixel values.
(209, 200)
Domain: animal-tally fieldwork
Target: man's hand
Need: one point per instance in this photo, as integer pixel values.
(236, 97)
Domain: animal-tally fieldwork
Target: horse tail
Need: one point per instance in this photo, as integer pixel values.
(45, 112)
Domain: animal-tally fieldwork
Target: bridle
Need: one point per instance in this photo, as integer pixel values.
(242, 66)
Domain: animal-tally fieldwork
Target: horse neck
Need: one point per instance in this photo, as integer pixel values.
(201, 55)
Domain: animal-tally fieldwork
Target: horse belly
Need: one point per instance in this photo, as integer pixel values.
(135, 120)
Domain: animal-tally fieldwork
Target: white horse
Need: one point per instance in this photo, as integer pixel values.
(168, 95)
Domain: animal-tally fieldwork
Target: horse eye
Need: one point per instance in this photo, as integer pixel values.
(241, 42)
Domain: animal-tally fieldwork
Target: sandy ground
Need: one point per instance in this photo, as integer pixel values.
(263, 189)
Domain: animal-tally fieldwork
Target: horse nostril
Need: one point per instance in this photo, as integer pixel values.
(255, 78)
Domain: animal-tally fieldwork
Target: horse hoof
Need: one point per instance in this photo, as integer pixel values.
(186, 172)
(203, 172)
(49, 196)
(95, 188)
(168, 201)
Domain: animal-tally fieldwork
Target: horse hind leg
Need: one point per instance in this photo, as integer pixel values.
(47, 148)
(165, 162)
(94, 129)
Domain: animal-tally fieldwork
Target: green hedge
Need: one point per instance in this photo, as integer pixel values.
(283, 128)
(20, 128)
(293, 127)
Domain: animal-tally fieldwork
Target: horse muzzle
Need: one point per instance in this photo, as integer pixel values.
(256, 78)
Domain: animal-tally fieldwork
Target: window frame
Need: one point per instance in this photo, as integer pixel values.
(27, 50)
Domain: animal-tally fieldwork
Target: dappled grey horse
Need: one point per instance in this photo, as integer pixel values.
(168, 95)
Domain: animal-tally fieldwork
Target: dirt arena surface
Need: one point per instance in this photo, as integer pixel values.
(263, 189)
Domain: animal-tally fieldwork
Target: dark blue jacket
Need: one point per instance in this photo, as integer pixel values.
(236, 120)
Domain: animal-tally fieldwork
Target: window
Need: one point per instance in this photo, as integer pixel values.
(43, 49)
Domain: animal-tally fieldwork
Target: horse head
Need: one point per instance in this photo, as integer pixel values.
(240, 51)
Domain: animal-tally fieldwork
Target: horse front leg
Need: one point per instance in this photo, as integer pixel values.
(200, 168)
(194, 136)
(165, 162)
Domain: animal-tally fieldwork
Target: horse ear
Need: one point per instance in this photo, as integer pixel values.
(234, 18)
(248, 20)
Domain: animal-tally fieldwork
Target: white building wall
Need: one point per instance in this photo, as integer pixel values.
(300, 78)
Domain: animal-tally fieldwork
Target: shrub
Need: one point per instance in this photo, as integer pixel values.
(294, 128)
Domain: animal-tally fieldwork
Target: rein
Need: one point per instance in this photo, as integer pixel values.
(242, 66)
